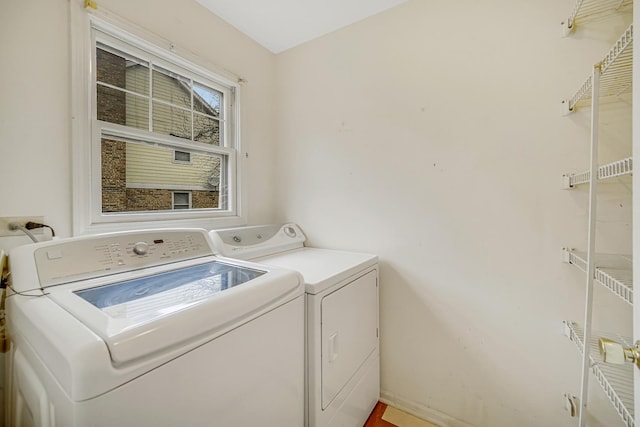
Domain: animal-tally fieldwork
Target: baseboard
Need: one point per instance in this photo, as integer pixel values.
(424, 412)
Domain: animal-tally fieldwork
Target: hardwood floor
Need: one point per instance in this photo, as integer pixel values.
(375, 419)
(388, 416)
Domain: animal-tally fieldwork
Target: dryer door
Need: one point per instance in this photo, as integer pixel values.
(349, 333)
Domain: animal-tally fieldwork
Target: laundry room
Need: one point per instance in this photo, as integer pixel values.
(447, 139)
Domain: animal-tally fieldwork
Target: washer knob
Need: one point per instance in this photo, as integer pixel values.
(141, 248)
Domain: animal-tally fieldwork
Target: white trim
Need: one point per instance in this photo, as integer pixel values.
(232, 125)
(635, 127)
(138, 136)
(80, 118)
(85, 159)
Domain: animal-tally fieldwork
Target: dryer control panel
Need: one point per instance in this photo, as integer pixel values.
(258, 240)
(95, 256)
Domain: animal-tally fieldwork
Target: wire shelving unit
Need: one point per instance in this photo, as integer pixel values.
(610, 79)
(616, 70)
(615, 169)
(589, 10)
(612, 271)
(616, 380)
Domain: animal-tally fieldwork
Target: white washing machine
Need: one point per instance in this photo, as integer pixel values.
(150, 328)
(343, 362)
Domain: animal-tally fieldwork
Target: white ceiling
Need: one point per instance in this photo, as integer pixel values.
(281, 24)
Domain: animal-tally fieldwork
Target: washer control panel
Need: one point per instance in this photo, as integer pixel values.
(97, 256)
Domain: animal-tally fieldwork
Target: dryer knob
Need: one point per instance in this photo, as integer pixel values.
(141, 248)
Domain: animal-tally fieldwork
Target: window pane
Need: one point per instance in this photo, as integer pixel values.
(137, 113)
(124, 104)
(172, 121)
(138, 78)
(206, 129)
(206, 100)
(116, 106)
(171, 87)
(121, 70)
(144, 177)
(111, 105)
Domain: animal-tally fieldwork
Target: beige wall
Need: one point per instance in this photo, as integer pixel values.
(431, 134)
(35, 135)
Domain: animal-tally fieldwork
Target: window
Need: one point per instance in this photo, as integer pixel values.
(163, 137)
(181, 156)
(181, 200)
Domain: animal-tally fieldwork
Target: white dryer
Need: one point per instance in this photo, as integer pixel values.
(343, 363)
(149, 328)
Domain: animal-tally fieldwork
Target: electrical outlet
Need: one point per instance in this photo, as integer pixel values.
(22, 220)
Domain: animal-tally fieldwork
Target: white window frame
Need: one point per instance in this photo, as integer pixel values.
(88, 217)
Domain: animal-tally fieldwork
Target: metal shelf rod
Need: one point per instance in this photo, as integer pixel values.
(591, 251)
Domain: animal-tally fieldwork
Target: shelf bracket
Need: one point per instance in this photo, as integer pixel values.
(566, 329)
(571, 404)
(567, 27)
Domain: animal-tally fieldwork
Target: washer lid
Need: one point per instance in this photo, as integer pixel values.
(163, 308)
(144, 299)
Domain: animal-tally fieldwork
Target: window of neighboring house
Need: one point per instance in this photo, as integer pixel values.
(181, 156)
(181, 200)
(163, 134)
